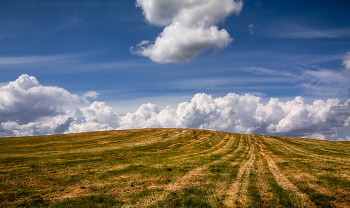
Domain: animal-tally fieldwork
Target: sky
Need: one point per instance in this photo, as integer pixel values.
(259, 67)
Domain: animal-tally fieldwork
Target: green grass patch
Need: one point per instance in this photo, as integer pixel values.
(91, 201)
(188, 197)
(320, 200)
(253, 192)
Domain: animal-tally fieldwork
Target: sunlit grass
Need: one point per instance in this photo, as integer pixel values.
(173, 168)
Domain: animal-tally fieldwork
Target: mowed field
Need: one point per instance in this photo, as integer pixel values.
(173, 168)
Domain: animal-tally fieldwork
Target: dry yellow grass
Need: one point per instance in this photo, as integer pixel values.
(173, 168)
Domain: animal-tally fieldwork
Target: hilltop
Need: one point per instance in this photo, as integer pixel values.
(173, 168)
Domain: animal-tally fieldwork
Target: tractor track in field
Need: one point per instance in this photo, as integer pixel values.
(185, 180)
(173, 168)
(238, 190)
(283, 181)
(309, 154)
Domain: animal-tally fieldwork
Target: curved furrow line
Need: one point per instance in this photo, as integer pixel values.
(109, 147)
(227, 147)
(127, 135)
(86, 136)
(220, 145)
(221, 187)
(263, 186)
(150, 139)
(73, 141)
(319, 145)
(184, 180)
(175, 136)
(306, 153)
(238, 190)
(208, 135)
(296, 146)
(282, 180)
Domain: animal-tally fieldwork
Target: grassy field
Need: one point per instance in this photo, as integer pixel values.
(173, 168)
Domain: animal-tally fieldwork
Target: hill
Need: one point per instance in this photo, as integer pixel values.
(173, 168)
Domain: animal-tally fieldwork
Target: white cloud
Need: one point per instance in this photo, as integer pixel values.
(180, 44)
(347, 139)
(91, 94)
(346, 61)
(250, 28)
(145, 116)
(246, 114)
(189, 28)
(24, 100)
(189, 13)
(347, 122)
(318, 120)
(27, 108)
(57, 124)
(97, 117)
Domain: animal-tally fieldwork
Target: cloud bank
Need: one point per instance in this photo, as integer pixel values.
(28, 108)
(190, 28)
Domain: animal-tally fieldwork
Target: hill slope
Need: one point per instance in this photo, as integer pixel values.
(173, 167)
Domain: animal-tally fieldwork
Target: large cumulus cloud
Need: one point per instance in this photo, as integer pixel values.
(97, 117)
(246, 114)
(190, 28)
(28, 108)
(24, 100)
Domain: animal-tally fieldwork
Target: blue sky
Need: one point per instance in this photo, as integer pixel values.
(280, 49)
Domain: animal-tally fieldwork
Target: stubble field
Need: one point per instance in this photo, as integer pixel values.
(173, 168)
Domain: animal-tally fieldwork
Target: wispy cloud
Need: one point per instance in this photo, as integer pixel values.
(260, 70)
(308, 33)
(56, 4)
(68, 63)
(18, 60)
(326, 82)
(72, 21)
(200, 83)
(314, 81)
(236, 83)
(250, 28)
(298, 31)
